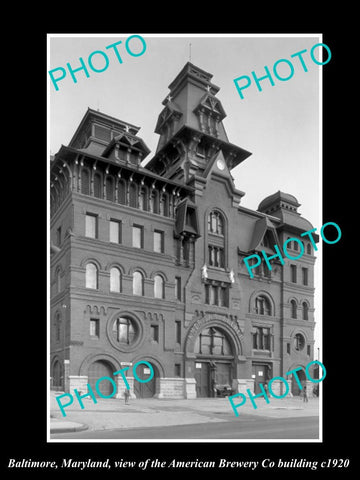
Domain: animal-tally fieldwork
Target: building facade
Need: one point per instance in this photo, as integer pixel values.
(147, 262)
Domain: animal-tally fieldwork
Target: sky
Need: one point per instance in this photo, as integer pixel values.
(280, 125)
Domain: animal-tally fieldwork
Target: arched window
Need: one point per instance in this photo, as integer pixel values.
(142, 199)
(122, 192)
(58, 280)
(216, 223)
(262, 305)
(85, 181)
(133, 195)
(57, 374)
(305, 311)
(154, 202)
(91, 276)
(110, 189)
(293, 309)
(115, 280)
(159, 287)
(57, 327)
(97, 186)
(138, 283)
(212, 341)
(163, 206)
(125, 330)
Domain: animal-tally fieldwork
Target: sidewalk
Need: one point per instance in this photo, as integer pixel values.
(112, 413)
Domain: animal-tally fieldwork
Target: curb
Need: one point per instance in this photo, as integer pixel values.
(67, 429)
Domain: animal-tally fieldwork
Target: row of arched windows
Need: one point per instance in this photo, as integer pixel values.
(127, 192)
(304, 310)
(138, 281)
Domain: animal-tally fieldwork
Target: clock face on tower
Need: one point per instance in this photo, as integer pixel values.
(220, 164)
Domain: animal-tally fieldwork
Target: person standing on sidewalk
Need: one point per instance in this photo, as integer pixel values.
(305, 395)
(126, 396)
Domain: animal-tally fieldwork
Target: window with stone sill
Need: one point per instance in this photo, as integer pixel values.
(261, 338)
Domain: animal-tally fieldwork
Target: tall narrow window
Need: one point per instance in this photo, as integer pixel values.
(97, 186)
(94, 327)
(110, 189)
(142, 199)
(305, 278)
(154, 202)
(85, 181)
(293, 273)
(138, 283)
(158, 241)
(305, 311)
(115, 231)
(57, 327)
(58, 237)
(58, 280)
(115, 280)
(293, 309)
(216, 223)
(154, 333)
(159, 290)
(133, 195)
(122, 192)
(91, 276)
(177, 331)
(178, 288)
(137, 236)
(91, 225)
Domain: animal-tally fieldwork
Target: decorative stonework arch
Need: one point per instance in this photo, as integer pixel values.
(259, 293)
(158, 272)
(229, 326)
(154, 360)
(115, 264)
(301, 331)
(112, 360)
(290, 299)
(137, 269)
(87, 260)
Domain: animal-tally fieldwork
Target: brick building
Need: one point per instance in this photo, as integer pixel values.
(147, 262)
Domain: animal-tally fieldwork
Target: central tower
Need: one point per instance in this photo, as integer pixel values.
(191, 129)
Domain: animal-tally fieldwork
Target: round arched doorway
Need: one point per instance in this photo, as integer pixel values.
(98, 369)
(214, 364)
(147, 389)
(295, 389)
(57, 375)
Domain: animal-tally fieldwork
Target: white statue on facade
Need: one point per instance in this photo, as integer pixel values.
(232, 276)
(204, 272)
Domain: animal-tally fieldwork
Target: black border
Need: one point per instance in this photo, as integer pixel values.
(25, 392)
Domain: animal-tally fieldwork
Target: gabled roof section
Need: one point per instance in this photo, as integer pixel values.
(213, 104)
(212, 166)
(262, 226)
(170, 110)
(126, 138)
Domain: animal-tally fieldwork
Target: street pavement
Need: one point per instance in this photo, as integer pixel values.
(112, 413)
